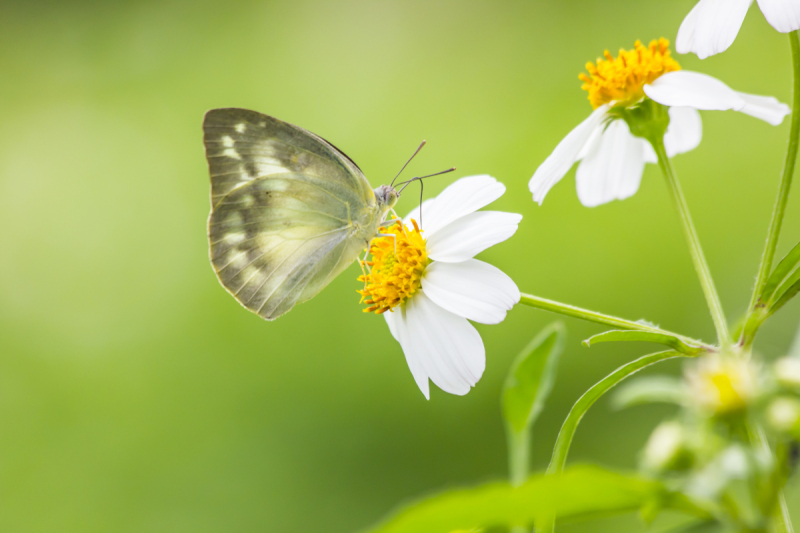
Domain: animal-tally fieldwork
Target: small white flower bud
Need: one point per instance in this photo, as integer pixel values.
(784, 414)
(787, 372)
(723, 385)
(665, 448)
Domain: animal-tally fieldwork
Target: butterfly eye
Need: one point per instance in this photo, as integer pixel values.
(392, 197)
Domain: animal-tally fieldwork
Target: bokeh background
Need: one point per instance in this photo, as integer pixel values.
(137, 396)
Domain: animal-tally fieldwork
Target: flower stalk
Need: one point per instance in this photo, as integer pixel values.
(696, 251)
(518, 457)
(779, 210)
(600, 318)
(518, 463)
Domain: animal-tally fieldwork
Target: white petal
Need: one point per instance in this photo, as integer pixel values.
(399, 328)
(783, 15)
(471, 234)
(472, 289)
(711, 27)
(594, 139)
(392, 319)
(564, 156)
(684, 132)
(693, 89)
(649, 154)
(446, 345)
(460, 198)
(766, 108)
(613, 170)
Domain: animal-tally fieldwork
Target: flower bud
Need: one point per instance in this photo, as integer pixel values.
(723, 385)
(667, 449)
(787, 372)
(783, 415)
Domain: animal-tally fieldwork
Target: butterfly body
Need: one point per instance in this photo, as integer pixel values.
(289, 211)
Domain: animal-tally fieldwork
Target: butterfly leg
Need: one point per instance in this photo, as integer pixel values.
(389, 223)
(366, 271)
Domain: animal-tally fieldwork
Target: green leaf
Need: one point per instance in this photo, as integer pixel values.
(531, 378)
(655, 389)
(783, 271)
(781, 286)
(580, 492)
(674, 342)
(785, 292)
(570, 425)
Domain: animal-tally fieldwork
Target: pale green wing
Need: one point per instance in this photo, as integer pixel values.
(283, 206)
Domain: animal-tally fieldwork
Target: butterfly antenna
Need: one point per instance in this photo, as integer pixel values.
(420, 178)
(421, 187)
(407, 162)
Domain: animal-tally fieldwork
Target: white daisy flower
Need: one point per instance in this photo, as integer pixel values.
(427, 280)
(712, 25)
(611, 158)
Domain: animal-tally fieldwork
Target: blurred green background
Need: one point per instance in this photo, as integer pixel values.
(137, 396)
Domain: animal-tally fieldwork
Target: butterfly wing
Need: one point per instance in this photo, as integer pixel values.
(287, 209)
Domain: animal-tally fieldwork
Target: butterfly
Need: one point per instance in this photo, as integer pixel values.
(289, 210)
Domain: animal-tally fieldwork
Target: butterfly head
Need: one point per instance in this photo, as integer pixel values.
(387, 196)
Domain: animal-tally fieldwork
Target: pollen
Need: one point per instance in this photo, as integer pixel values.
(395, 270)
(620, 80)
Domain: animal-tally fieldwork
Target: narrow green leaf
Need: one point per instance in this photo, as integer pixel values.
(570, 425)
(655, 389)
(531, 378)
(784, 269)
(674, 342)
(781, 286)
(580, 492)
(785, 292)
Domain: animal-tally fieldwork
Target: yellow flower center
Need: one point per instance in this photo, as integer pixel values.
(395, 271)
(723, 386)
(727, 390)
(621, 79)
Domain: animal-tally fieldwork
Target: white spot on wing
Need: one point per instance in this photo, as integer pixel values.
(227, 142)
(236, 258)
(253, 274)
(241, 127)
(234, 238)
(230, 152)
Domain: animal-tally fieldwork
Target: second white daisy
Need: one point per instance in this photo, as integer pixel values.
(712, 25)
(611, 158)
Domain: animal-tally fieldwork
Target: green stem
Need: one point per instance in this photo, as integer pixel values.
(699, 260)
(598, 318)
(779, 210)
(783, 520)
(518, 449)
(592, 395)
(518, 461)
